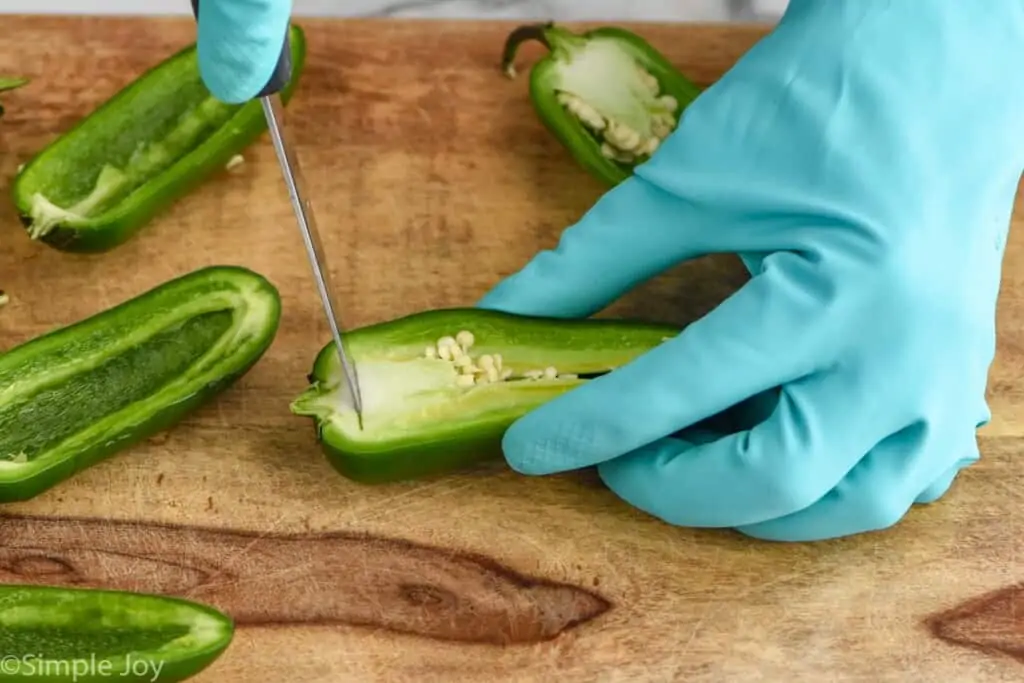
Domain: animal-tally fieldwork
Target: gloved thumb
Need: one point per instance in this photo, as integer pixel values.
(755, 340)
(238, 44)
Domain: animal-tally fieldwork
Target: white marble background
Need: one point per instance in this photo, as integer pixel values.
(558, 10)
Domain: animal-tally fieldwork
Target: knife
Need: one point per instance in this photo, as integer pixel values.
(290, 169)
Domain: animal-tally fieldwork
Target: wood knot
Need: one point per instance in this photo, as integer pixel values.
(423, 595)
(990, 623)
(33, 566)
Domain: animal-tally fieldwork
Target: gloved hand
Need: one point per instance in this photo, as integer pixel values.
(863, 160)
(238, 44)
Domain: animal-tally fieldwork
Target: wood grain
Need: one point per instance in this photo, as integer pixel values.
(318, 579)
(433, 179)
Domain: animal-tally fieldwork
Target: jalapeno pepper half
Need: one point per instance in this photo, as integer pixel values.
(440, 387)
(80, 394)
(606, 94)
(144, 148)
(62, 634)
(7, 83)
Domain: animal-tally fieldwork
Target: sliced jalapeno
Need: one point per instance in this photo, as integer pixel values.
(146, 147)
(606, 94)
(82, 635)
(79, 394)
(440, 387)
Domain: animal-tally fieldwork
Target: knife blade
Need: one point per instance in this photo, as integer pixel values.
(292, 173)
(295, 183)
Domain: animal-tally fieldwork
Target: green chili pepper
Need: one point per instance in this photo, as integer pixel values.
(51, 634)
(8, 83)
(440, 387)
(77, 395)
(146, 147)
(606, 94)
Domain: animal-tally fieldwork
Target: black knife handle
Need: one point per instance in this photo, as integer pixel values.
(282, 72)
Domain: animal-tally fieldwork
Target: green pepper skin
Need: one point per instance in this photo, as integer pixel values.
(115, 633)
(588, 347)
(7, 83)
(567, 129)
(411, 461)
(70, 165)
(57, 380)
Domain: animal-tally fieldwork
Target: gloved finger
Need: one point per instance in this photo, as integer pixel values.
(755, 340)
(941, 486)
(875, 495)
(820, 428)
(634, 232)
(238, 44)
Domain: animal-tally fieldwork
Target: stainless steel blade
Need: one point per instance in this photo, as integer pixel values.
(292, 172)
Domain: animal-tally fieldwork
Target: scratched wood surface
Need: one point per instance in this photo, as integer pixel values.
(433, 179)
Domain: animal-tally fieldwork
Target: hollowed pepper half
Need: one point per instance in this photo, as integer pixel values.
(66, 634)
(440, 387)
(147, 146)
(82, 393)
(606, 94)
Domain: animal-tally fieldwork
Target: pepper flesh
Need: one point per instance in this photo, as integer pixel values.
(143, 149)
(77, 395)
(87, 635)
(606, 94)
(433, 402)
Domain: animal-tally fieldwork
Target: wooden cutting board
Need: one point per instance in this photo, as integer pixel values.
(433, 179)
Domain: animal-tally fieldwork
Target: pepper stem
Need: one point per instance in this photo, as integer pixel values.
(559, 41)
(519, 36)
(10, 83)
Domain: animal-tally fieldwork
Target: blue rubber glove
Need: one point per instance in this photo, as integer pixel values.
(863, 159)
(238, 44)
